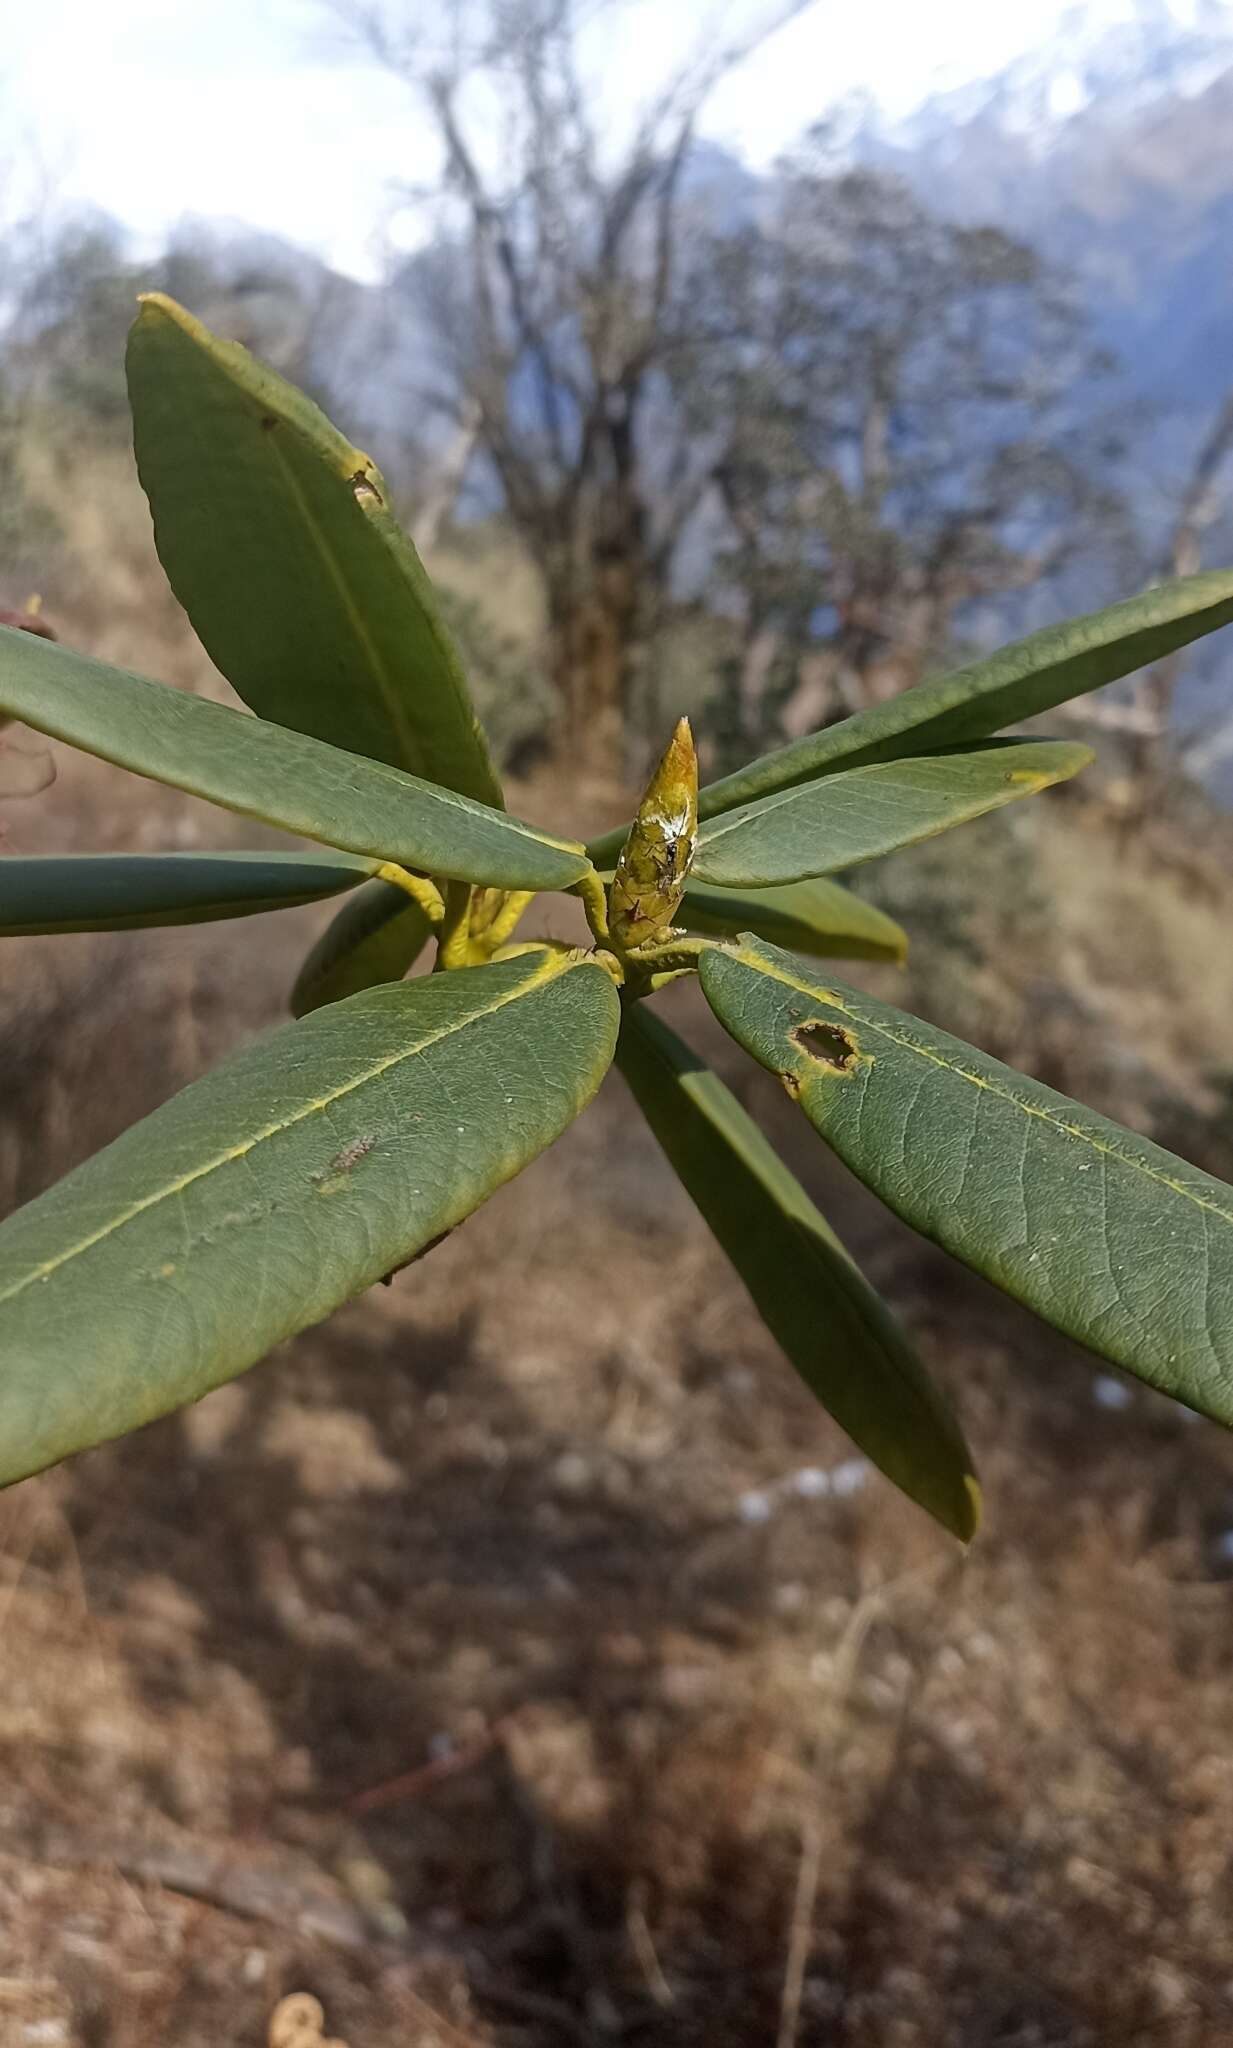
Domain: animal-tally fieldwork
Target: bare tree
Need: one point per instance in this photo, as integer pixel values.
(889, 398)
(556, 328)
(1142, 714)
(64, 337)
(1202, 501)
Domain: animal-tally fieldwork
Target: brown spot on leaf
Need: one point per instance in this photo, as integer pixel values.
(826, 1043)
(334, 1176)
(364, 487)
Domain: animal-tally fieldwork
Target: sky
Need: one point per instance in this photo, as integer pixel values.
(259, 111)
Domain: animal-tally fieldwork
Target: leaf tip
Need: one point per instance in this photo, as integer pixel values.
(1067, 759)
(968, 1521)
(158, 310)
(161, 304)
(156, 307)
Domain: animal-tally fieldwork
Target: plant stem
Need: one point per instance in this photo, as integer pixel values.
(652, 967)
(676, 956)
(595, 903)
(506, 918)
(417, 887)
(453, 933)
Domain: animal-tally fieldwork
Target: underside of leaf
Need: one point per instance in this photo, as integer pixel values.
(92, 892)
(837, 1332)
(374, 938)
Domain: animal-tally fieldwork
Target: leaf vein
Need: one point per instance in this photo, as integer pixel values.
(393, 700)
(44, 1270)
(1031, 1109)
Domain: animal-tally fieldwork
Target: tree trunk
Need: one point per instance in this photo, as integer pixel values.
(442, 493)
(594, 630)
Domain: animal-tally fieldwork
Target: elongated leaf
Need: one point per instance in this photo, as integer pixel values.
(265, 771)
(92, 892)
(837, 1332)
(1018, 682)
(818, 917)
(263, 1196)
(1105, 1235)
(374, 937)
(846, 819)
(278, 539)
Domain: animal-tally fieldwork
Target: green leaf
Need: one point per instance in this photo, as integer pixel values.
(1106, 1236)
(374, 937)
(840, 1336)
(818, 917)
(1020, 681)
(278, 539)
(266, 771)
(290, 1178)
(845, 819)
(93, 892)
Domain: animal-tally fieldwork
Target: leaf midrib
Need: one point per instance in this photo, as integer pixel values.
(391, 697)
(539, 979)
(758, 808)
(1045, 1116)
(751, 813)
(55, 728)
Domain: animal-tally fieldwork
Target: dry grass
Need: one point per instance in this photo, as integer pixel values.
(483, 1667)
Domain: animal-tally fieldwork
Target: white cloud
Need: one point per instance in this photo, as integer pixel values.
(243, 108)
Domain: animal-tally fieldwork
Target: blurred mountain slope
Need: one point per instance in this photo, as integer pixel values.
(1108, 149)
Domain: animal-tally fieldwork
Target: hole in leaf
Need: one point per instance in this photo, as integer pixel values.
(825, 1043)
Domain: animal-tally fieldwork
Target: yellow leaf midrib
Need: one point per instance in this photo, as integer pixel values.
(548, 971)
(1074, 1131)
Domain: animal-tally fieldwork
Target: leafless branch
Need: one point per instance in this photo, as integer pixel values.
(1200, 502)
(568, 312)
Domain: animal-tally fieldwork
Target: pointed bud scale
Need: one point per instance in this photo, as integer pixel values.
(656, 858)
